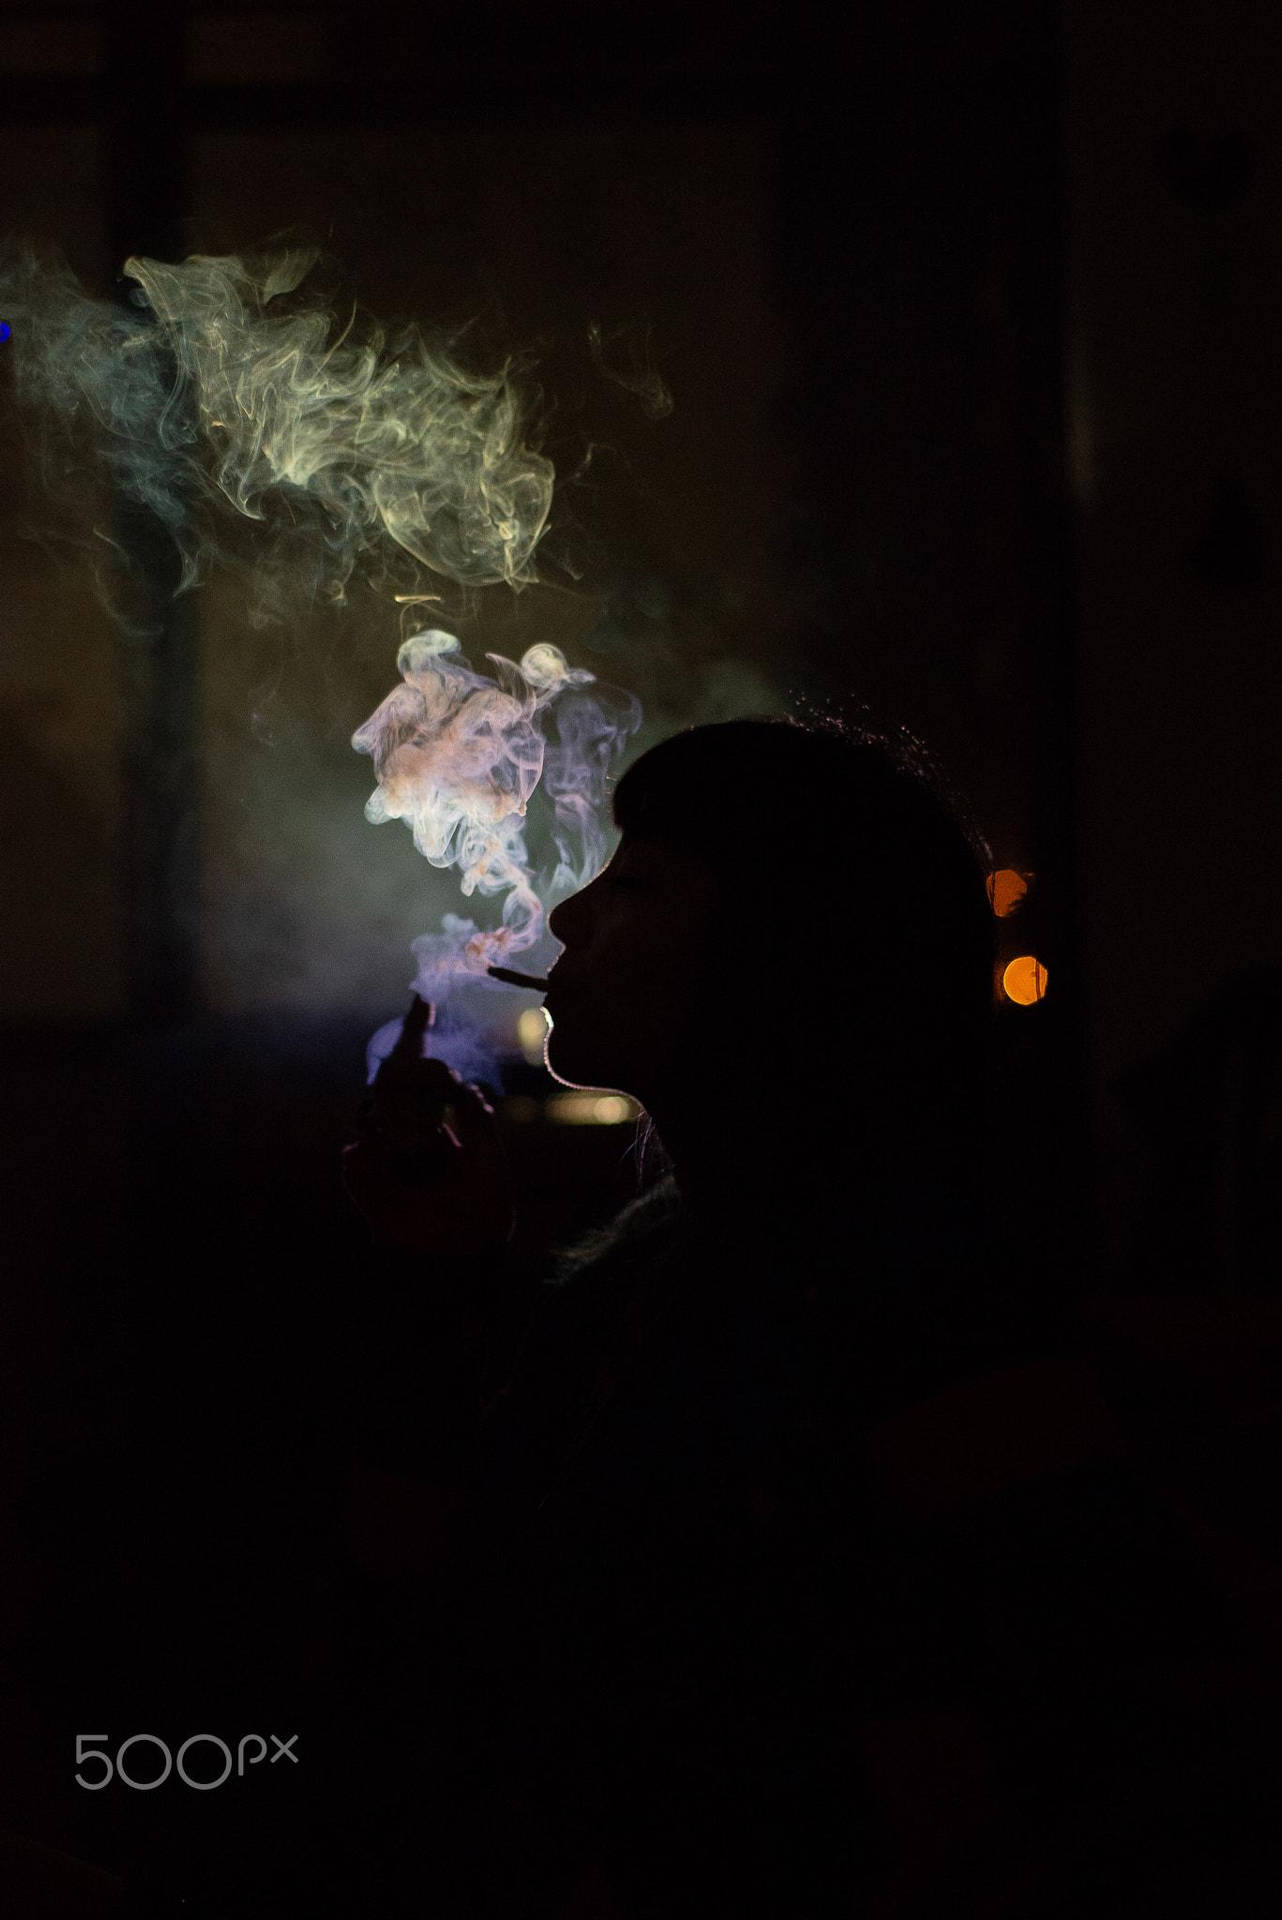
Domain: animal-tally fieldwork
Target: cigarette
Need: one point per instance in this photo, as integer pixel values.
(515, 979)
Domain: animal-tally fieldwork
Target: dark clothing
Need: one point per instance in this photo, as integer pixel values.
(733, 1576)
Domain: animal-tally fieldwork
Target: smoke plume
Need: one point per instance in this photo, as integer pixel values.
(223, 394)
(458, 756)
(223, 383)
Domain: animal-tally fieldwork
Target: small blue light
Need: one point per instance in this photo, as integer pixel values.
(5, 330)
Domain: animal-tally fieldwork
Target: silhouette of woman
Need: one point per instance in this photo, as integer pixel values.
(710, 1616)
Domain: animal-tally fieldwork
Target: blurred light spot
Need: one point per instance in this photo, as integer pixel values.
(1024, 980)
(1006, 889)
(5, 330)
(583, 1109)
(520, 1107)
(531, 1032)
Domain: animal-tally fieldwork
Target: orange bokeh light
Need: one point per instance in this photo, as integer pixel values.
(1024, 980)
(1006, 889)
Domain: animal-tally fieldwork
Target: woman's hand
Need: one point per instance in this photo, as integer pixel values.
(427, 1168)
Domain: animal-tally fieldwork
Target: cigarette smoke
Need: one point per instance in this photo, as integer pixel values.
(349, 450)
(227, 385)
(458, 756)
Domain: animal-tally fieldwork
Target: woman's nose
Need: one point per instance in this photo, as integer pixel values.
(560, 922)
(568, 922)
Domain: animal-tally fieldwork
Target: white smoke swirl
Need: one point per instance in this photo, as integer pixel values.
(226, 385)
(223, 387)
(459, 756)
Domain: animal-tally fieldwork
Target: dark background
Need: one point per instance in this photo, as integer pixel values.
(970, 318)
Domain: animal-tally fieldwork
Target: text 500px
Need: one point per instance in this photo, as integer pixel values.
(88, 1747)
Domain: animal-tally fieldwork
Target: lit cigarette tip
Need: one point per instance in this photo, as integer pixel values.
(515, 979)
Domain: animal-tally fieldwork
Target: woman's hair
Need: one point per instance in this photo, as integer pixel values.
(847, 866)
(854, 895)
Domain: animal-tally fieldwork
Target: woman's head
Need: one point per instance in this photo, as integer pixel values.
(788, 905)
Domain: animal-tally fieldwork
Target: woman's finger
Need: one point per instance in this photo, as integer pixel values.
(409, 1041)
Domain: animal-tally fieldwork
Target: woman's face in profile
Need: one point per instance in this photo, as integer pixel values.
(624, 998)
